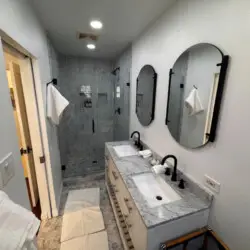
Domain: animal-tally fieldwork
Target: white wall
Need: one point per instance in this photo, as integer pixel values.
(222, 23)
(18, 20)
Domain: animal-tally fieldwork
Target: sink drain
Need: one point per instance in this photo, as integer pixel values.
(159, 198)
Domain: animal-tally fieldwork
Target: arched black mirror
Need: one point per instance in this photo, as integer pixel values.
(145, 95)
(196, 84)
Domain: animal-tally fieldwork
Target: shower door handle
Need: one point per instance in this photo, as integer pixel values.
(118, 110)
(93, 126)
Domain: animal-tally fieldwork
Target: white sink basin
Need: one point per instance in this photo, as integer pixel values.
(125, 150)
(155, 190)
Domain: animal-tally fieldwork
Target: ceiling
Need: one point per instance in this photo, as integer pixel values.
(123, 21)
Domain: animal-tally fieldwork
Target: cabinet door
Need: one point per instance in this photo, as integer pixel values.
(113, 175)
(137, 229)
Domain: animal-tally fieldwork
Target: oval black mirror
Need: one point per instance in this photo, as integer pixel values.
(145, 95)
(196, 84)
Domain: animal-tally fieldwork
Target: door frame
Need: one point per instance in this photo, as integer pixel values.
(37, 123)
(23, 123)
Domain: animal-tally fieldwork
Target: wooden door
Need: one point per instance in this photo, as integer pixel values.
(27, 155)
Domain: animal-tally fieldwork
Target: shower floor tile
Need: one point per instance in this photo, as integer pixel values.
(50, 231)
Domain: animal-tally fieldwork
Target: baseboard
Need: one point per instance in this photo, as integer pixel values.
(55, 211)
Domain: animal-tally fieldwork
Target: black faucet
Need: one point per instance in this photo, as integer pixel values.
(174, 174)
(138, 142)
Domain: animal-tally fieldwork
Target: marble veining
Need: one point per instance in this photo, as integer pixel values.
(194, 198)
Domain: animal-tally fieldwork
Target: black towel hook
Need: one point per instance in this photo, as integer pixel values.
(194, 86)
(53, 81)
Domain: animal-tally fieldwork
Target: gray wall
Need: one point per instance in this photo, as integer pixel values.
(79, 146)
(121, 122)
(201, 70)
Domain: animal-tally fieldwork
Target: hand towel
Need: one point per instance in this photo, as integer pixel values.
(18, 226)
(145, 153)
(193, 103)
(159, 169)
(56, 104)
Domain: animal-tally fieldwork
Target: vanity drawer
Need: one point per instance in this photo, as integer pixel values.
(119, 187)
(136, 227)
(112, 172)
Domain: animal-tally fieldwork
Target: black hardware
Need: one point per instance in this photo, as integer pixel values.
(174, 174)
(137, 104)
(25, 151)
(169, 86)
(115, 70)
(138, 142)
(219, 94)
(53, 81)
(154, 97)
(42, 159)
(158, 197)
(182, 85)
(118, 110)
(93, 126)
(63, 167)
(128, 84)
(194, 86)
(181, 184)
(168, 171)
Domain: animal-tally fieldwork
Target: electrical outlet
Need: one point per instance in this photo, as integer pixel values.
(212, 184)
(7, 168)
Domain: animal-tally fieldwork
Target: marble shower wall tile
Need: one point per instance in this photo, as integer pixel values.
(82, 149)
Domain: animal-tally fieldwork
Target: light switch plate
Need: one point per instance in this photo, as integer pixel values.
(7, 168)
(212, 184)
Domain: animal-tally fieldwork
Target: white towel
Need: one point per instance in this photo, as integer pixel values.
(56, 104)
(18, 226)
(193, 103)
(159, 169)
(145, 153)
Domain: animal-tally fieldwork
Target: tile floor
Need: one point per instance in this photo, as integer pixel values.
(50, 231)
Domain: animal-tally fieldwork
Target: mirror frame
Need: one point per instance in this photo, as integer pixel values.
(219, 93)
(154, 94)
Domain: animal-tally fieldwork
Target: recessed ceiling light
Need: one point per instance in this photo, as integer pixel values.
(91, 46)
(95, 24)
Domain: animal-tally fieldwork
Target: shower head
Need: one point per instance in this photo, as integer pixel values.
(115, 70)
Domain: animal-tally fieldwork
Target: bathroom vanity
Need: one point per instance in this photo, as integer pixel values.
(150, 209)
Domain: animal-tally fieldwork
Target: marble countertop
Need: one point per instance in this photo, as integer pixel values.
(193, 197)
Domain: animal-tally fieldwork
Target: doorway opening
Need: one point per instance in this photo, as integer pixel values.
(16, 84)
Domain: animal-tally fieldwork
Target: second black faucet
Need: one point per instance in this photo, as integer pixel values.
(174, 174)
(138, 141)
